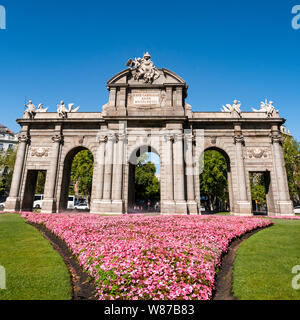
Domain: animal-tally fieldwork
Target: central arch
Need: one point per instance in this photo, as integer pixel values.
(225, 155)
(152, 203)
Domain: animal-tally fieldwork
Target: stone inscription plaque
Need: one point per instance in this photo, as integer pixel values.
(145, 99)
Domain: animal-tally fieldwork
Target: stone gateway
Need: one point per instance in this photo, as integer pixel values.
(147, 111)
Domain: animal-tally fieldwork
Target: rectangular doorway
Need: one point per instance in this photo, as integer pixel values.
(260, 192)
(34, 190)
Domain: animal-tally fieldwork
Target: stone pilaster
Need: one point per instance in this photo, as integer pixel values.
(99, 181)
(105, 203)
(49, 202)
(284, 203)
(243, 205)
(118, 166)
(190, 181)
(13, 201)
(179, 172)
(122, 101)
(168, 205)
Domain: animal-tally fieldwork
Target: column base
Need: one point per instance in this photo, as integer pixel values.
(12, 205)
(168, 207)
(286, 208)
(243, 208)
(181, 207)
(117, 207)
(49, 206)
(192, 207)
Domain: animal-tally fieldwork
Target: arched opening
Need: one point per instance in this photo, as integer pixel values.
(77, 180)
(215, 181)
(144, 191)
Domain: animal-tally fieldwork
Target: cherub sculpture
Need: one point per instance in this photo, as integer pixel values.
(267, 108)
(235, 108)
(63, 111)
(40, 108)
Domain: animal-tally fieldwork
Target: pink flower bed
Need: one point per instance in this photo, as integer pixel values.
(139, 257)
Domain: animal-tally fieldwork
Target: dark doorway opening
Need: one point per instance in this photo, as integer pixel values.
(260, 184)
(34, 190)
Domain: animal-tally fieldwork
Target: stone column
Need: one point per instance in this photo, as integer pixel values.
(179, 179)
(98, 181)
(243, 206)
(285, 204)
(168, 206)
(191, 202)
(49, 202)
(117, 203)
(13, 201)
(108, 171)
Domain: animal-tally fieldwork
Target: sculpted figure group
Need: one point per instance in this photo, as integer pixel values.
(265, 107)
(31, 110)
(62, 110)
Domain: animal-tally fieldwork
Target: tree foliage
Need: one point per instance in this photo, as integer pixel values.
(7, 163)
(147, 185)
(258, 188)
(291, 148)
(41, 179)
(82, 174)
(213, 179)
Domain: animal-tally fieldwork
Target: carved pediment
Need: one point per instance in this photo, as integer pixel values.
(125, 77)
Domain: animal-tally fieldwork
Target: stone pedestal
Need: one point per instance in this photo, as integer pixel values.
(168, 207)
(243, 208)
(192, 207)
(117, 207)
(49, 206)
(12, 204)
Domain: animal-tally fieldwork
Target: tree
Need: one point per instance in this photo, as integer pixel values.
(213, 179)
(147, 185)
(82, 174)
(291, 148)
(7, 163)
(40, 185)
(258, 188)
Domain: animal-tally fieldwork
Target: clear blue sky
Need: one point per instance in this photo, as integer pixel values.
(54, 50)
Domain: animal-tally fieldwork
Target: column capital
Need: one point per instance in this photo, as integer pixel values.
(58, 138)
(24, 137)
(276, 137)
(102, 138)
(178, 136)
(189, 137)
(169, 137)
(239, 138)
(121, 137)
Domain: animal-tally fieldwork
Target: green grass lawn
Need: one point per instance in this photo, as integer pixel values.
(34, 270)
(264, 262)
